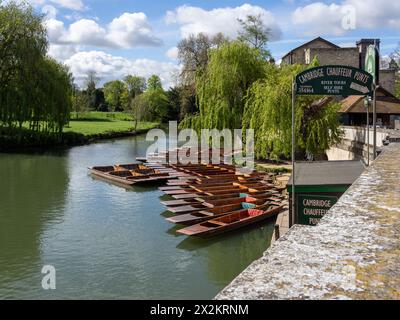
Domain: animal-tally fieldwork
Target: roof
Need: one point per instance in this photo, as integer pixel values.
(348, 103)
(307, 43)
(386, 103)
(315, 173)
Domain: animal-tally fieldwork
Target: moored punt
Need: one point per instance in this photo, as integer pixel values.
(211, 213)
(130, 174)
(192, 185)
(181, 202)
(230, 221)
(216, 203)
(220, 189)
(220, 192)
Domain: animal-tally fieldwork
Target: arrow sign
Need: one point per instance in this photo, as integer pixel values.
(334, 81)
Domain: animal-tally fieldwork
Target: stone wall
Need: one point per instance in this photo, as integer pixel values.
(336, 56)
(298, 55)
(353, 253)
(354, 143)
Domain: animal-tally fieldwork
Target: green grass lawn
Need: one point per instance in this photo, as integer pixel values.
(93, 123)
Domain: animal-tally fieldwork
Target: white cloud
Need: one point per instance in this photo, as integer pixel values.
(109, 67)
(172, 53)
(193, 20)
(131, 29)
(70, 4)
(127, 31)
(322, 19)
(86, 32)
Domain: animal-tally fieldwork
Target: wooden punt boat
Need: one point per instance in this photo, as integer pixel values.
(182, 202)
(231, 221)
(130, 174)
(219, 192)
(216, 203)
(184, 182)
(191, 185)
(211, 213)
(230, 186)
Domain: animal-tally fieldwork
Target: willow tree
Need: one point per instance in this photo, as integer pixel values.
(268, 111)
(34, 89)
(222, 87)
(23, 45)
(53, 104)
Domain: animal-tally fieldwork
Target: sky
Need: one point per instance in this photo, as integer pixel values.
(120, 37)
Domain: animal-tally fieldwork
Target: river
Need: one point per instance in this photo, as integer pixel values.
(105, 242)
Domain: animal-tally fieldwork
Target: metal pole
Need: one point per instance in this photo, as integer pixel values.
(292, 216)
(374, 121)
(367, 133)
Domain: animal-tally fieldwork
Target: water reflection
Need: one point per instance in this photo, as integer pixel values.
(226, 255)
(32, 195)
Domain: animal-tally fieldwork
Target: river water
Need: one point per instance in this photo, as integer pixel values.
(104, 241)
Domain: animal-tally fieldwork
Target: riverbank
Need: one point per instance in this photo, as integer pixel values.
(90, 128)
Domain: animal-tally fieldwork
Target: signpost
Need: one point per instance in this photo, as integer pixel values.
(331, 80)
(371, 67)
(334, 80)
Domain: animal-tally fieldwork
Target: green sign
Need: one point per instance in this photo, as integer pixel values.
(370, 61)
(311, 208)
(334, 81)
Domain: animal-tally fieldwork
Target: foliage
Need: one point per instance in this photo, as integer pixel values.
(80, 102)
(33, 87)
(221, 90)
(174, 103)
(139, 108)
(113, 93)
(255, 34)
(94, 95)
(268, 112)
(154, 83)
(151, 105)
(135, 85)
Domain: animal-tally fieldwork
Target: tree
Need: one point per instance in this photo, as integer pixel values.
(34, 89)
(80, 102)
(139, 109)
(193, 54)
(135, 85)
(113, 92)
(154, 82)
(91, 91)
(268, 112)
(256, 34)
(174, 103)
(54, 87)
(222, 88)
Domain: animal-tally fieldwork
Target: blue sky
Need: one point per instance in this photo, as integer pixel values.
(118, 37)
